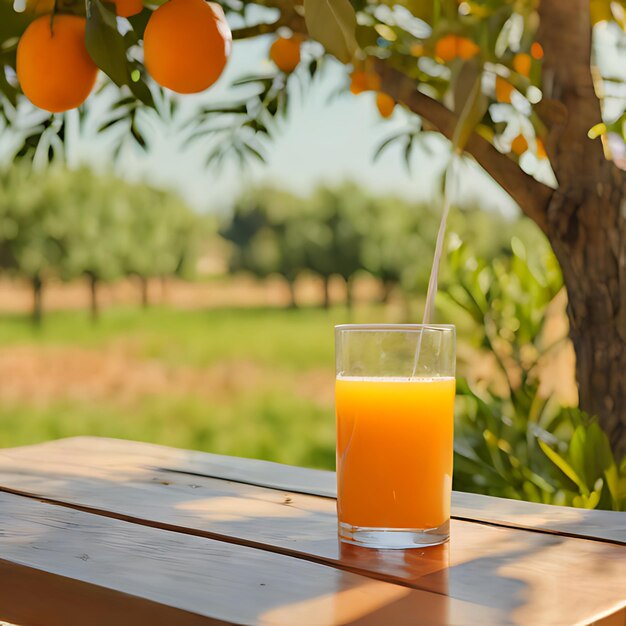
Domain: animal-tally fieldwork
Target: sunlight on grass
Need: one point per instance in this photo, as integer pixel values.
(277, 427)
(296, 339)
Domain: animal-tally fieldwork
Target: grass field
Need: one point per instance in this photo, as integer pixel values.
(248, 382)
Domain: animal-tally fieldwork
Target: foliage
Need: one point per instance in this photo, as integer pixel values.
(33, 232)
(495, 43)
(67, 224)
(267, 236)
(343, 230)
(341, 218)
(511, 441)
(166, 234)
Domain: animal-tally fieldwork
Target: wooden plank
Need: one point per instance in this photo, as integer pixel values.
(564, 520)
(495, 567)
(32, 597)
(601, 525)
(65, 567)
(614, 619)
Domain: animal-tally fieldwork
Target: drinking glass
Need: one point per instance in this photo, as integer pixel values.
(394, 396)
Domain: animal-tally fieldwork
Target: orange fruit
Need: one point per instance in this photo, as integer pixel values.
(128, 8)
(446, 48)
(536, 51)
(364, 81)
(358, 82)
(186, 45)
(54, 68)
(466, 48)
(519, 145)
(522, 63)
(504, 89)
(416, 50)
(541, 149)
(386, 104)
(286, 54)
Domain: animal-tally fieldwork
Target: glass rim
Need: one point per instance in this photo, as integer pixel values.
(394, 327)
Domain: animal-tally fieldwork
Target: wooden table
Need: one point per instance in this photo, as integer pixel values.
(98, 531)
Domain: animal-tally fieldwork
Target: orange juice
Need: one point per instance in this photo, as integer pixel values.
(394, 451)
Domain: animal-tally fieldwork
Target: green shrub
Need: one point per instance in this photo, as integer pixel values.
(510, 441)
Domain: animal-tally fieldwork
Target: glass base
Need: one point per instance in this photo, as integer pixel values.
(393, 538)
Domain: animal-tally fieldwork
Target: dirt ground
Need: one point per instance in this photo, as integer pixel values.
(16, 296)
(42, 375)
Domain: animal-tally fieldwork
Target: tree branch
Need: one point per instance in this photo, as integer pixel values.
(532, 196)
(289, 18)
(294, 21)
(247, 32)
(565, 35)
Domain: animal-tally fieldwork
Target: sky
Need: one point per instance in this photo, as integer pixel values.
(325, 139)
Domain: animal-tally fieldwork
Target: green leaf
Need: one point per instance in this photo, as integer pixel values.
(12, 24)
(612, 482)
(333, 24)
(577, 456)
(470, 103)
(124, 102)
(105, 44)
(366, 36)
(109, 124)
(138, 136)
(423, 9)
(385, 144)
(407, 152)
(589, 501)
(590, 453)
(564, 466)
(142, 92)
(253, 152)
(140, 21)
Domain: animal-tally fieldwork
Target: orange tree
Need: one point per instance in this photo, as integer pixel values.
(504, 80)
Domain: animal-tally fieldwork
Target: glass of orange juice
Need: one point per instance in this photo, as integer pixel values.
(394, 395)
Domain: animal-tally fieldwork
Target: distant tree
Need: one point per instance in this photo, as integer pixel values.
(268, 230)
(162, 230)
(33, 235)
(74, 223)
(335, 244)
(318, 248)
(397, 232)
(97, 234)
(288, 228)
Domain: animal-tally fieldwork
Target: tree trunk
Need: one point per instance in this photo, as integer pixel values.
(350, 293)
(164, 289)
(37, 313)
(293, 303)
(586, 218)
(388, 287)
(408, 308)
(143, 285)
(326, 288)
(591, 248)
(93, 298)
